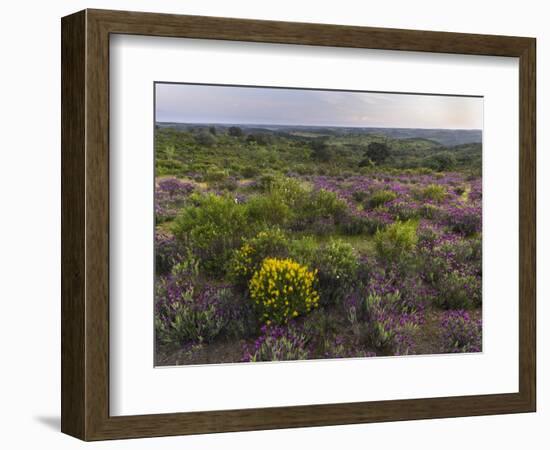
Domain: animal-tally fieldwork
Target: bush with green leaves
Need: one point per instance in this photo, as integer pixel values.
(430, 211)
(168, 252)
(337, 264)
(377, 322)
(377, 152)
(269, 209)
(295, 194)
(235, 132)
(354, 224)
(324, 204)
(303, 250)
(185, 314)
(360, 196)
(441, 161)
(403, 210)
(322, 151)
(266, 182)
(205, 138)
(277, 343)
(433, 192)
(250, 171)
(381, 197)
(439, 257)
(396, 240)
(215, 175)
(457, 290)
(460, 333)
(212, 227)
(247, 259)
(259, 139)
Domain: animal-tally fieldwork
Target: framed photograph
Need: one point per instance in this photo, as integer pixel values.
(273, 225)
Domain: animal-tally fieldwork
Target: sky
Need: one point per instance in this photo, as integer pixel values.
(192, 103)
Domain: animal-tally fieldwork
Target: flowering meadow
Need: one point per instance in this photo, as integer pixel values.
(282, 245)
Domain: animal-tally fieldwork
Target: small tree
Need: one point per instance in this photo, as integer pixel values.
(260, 139)
(235, 132)
(441, 161)
(377, 152)
(212, 130)
(205, 139)
(321, 151)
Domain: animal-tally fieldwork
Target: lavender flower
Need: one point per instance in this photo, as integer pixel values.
(460, 333)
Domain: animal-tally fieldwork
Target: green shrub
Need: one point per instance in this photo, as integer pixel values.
(295, 195)
(303, 250)
(434, 192)
(355, 224)
(403, 210)
(183, 319)
(235, 132)
(360, 196)
(247, 259)
(282, 289)
(427, 236)
(377, 152)
(438, 261)
(320, 210)
(168, 252)
(212, 227)
(373, 323)
(319, 326)
(287, 202)
(429, 211)
(266, 182)
(302, 169)
(269, 210)
(278, 343)
(381, 197)
(214, 175)
(396, 240)
(325, 204)
(205, 139)
(441, 161)
(250, 171)
(337, 264)
(459, 190)
(229, 184)
(459, 291)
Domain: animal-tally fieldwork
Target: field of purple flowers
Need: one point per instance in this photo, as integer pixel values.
(286, 267)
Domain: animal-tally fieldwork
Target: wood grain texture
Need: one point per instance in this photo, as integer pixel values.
(527, 224)
(73, 227)
(85, 224)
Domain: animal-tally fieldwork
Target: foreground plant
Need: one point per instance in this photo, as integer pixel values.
(460, 333)
(383, 323)
(191, 318)
(278, 343)
(247, 259)
(337, 264)
(282, 289)
(187, 312)
(396, 240)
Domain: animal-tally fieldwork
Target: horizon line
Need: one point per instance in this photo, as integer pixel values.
(316, 126)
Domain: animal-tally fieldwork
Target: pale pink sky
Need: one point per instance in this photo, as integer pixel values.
(187, 103)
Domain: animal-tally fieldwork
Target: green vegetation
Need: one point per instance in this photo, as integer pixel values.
(195, 151)
(280, 243)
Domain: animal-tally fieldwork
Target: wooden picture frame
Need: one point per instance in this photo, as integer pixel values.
(85, 224)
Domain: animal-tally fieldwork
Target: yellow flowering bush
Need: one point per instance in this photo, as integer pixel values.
(241, 266)
(282, 289)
